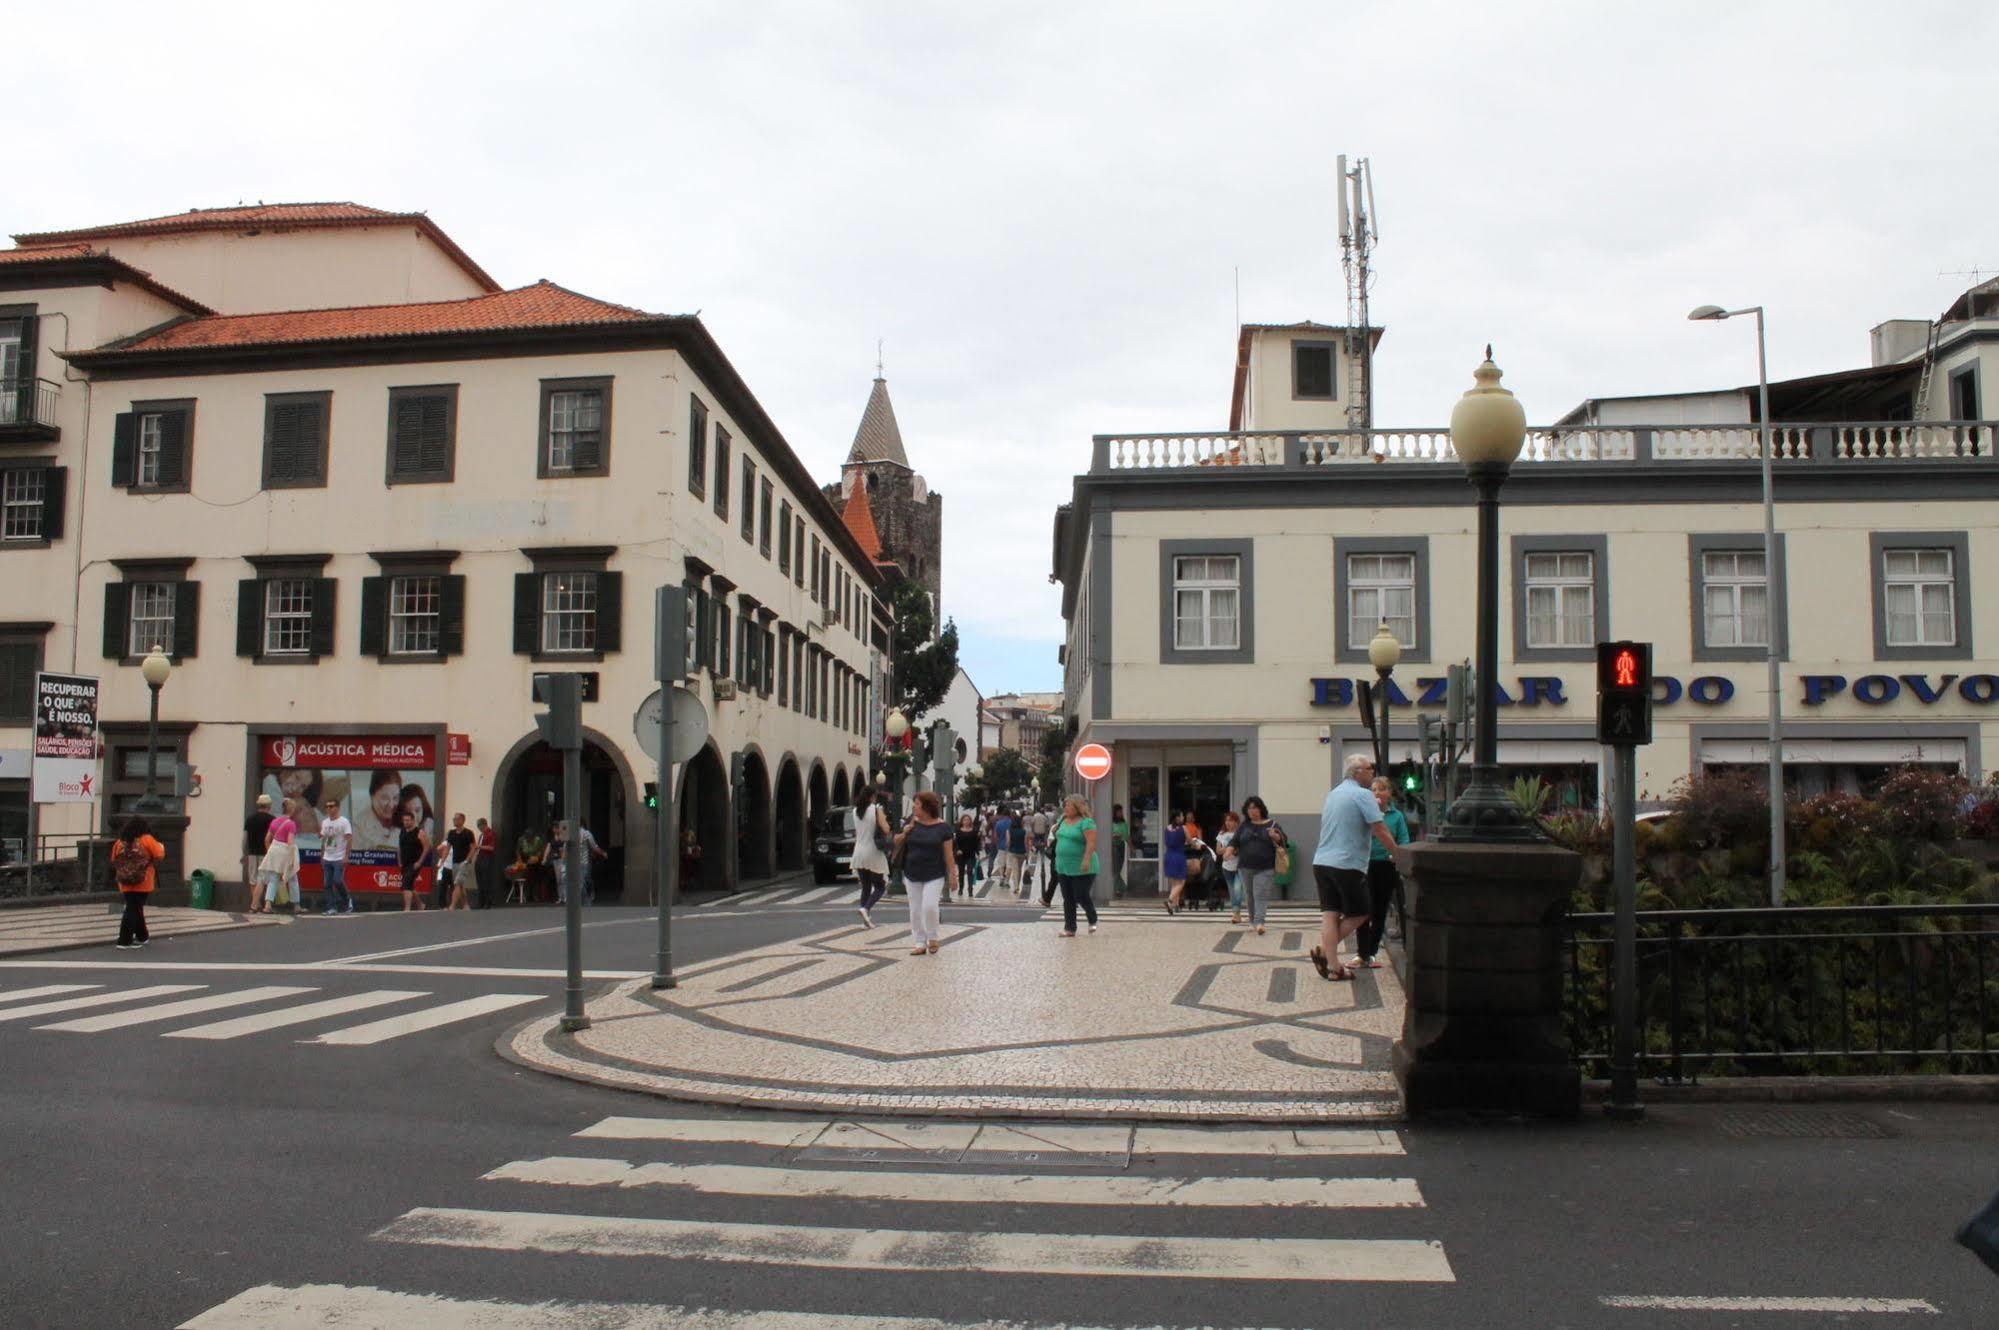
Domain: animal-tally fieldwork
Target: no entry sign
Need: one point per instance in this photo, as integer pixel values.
(1093, 761)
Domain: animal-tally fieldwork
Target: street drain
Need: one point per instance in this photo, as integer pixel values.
(1790, 1122)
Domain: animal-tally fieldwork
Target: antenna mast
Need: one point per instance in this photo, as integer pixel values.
(1357, 240)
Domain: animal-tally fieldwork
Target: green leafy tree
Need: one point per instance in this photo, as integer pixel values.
(924, 667)
(1008, 775)
(1054, 760)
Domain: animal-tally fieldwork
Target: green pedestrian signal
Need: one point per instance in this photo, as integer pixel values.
(652, 794)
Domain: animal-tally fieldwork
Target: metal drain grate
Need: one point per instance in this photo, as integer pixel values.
(1800, 1123)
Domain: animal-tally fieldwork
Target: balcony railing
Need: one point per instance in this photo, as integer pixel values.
(28, 407)
(1298, 450)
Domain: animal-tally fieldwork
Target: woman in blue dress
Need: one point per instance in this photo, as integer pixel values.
(1183, 833)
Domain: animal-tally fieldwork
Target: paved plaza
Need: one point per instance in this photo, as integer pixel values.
(28, 929)
(1178, 1018)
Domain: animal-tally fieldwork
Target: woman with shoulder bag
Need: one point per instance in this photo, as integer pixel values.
(872, 837)
(928, 869)
(1258, 843)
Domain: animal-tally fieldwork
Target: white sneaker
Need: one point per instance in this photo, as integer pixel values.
(1093, 928)
(866, 922)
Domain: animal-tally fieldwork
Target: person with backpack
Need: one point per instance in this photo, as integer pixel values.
(133, 856)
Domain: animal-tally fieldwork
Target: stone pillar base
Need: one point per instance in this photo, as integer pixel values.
(1483, 1029)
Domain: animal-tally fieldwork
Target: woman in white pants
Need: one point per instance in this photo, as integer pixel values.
(928, 870)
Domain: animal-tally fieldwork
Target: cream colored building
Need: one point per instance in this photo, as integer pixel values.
(361, 528)
(1219, 590)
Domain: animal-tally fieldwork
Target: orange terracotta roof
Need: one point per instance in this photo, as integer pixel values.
(309, 216)
(43, 253)
(860, 521)
(72, 254)
(543, 305)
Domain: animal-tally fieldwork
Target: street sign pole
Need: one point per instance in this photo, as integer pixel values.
(670, 648)
(1624, 723)
(561, 728)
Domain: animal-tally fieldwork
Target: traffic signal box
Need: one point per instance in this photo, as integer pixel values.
(1624, 693)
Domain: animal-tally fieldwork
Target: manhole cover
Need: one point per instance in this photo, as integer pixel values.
(1801, 1123)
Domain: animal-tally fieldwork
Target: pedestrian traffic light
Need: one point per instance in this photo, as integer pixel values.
(652, 794)
(1624, 693)
(561, 725)
(1412, 778)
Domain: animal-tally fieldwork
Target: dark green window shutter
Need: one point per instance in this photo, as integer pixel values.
(173, 448)
(374, 616)
(249, 617)
(610, 611)
(322, 615)
(17, 682)
(55, 484)
(451, 614)
(292, 451)
(124, 448)
(697, 447)
(187, 619)
(117, 618)
(527, 613)
(421, 443)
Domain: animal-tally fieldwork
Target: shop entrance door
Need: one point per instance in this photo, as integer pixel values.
(1203, 790)
(533, 798)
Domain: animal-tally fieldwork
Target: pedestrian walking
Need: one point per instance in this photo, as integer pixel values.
(872, 834)
(1383, 879)
(1258, 843)
(278, 871)
(1037, 852)
(965, 849)
(412, 848)
(1231, 865)
(485, 865)
(987, 830)
(335, 834)
(256, 838)
(1348, 820)
(464, 850)
(134, 856)
(1014, 857)
(558, 858)
(928, 869)
(1120, 842)
(1076, 862)
(1183, 842)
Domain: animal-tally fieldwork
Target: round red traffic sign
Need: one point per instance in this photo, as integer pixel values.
(1093, 761)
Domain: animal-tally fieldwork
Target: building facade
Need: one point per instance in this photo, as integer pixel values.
(904, 513)
(1220, 590)
(361, 530)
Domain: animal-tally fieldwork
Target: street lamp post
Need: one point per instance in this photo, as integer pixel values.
(155, 669)
(1487, 429)
(894, 728)
(1382, 652)
(1715, 312)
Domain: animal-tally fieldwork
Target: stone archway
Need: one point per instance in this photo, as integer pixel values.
(704, 810)
(843, 793)
(816, 806)
(754, 841)
(793, 835)
(527, 792)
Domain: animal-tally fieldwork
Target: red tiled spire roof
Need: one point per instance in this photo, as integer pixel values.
(543, 305)
(860, 521)
(306, 216)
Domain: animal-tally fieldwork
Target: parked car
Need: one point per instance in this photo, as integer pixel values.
(833, 847)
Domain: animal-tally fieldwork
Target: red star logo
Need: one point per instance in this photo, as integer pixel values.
(85, 787)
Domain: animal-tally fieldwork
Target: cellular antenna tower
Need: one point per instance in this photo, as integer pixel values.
(1357, 239)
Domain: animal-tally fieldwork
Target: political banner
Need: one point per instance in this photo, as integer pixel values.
(65, 743)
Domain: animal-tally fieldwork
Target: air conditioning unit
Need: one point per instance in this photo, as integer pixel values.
(725, 690)
(832, 615)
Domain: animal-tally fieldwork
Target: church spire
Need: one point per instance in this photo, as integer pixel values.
(878, 439)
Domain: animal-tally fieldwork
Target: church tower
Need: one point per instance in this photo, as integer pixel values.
(906, 515)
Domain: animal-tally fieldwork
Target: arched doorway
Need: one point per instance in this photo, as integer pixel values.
(815, 794)
(843, 793)
(792, 833)
(704, 810)
(753, 820)
(529, 795)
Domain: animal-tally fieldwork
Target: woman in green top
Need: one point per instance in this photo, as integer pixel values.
(1076, 862)
(1383, 881)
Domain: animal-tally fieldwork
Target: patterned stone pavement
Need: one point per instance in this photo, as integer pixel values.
(29, 929)
(1186, 1018)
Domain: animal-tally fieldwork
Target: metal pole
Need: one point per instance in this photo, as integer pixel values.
(572, 872)
(1624, 871)
(666, 873)
(151, 801)
(1382, 755)
(1770, 603)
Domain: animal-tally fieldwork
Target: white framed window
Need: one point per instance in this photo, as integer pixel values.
(1919, 593)
(152, 431)
(1207, 602)
(22, 494)
(288, 616)
(1381, 589)
(152, 618)
(415, 612)
(569, 611)
(1561, 598)
(575, 429)
(1735, 598)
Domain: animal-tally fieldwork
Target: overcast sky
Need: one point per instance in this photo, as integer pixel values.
(1041, 208)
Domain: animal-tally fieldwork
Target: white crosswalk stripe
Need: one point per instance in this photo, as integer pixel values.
(44, 990)
(283, 1016)
(145, 1007)
(94, 1000)
(167, 1011)
(396, 1026)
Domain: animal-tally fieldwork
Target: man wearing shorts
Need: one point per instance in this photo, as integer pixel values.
(1349, 820)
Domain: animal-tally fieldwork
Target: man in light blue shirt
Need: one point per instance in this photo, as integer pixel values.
(1348, 822)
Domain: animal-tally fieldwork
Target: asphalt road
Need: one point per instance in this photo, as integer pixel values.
(152, 1177)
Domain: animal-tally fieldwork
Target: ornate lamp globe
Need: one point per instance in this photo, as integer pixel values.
(1488, 424)
(897, 724)
(1383, 650)
(155, 668)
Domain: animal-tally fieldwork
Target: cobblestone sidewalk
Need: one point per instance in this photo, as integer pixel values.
(36, 928)
(1176, 1019)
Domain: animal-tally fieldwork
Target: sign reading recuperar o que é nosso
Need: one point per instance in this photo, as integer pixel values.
(64, 753)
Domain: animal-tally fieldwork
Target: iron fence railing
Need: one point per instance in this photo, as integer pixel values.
(62, 864)
(1814, 990)
(28, 401)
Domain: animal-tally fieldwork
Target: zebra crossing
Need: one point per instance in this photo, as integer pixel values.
(1094, 1201)
(1281, 914)
(181, 1003)
(845, 894)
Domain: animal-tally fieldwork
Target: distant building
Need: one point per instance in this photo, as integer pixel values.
(907, 517)
(1019, 720)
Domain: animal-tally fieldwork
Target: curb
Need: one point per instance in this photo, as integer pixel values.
(237, 921)
(1813, 1090)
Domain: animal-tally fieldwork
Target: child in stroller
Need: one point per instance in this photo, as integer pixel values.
(1207, 885)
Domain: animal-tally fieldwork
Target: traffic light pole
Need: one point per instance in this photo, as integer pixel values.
(670, 647)
(561, 728)
(1624, 871)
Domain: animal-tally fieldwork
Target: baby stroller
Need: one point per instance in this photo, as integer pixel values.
(1206, 883)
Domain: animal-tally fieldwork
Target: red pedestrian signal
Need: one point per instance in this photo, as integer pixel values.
(1627, 669)
(1624, 693)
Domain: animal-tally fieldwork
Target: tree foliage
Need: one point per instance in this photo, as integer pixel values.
(923, 668)
(1007, 776)
(1054, 759)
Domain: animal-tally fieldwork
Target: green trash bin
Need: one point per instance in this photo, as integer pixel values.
(201, 889)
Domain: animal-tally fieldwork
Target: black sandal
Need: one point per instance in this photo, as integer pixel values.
(1320, 964)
